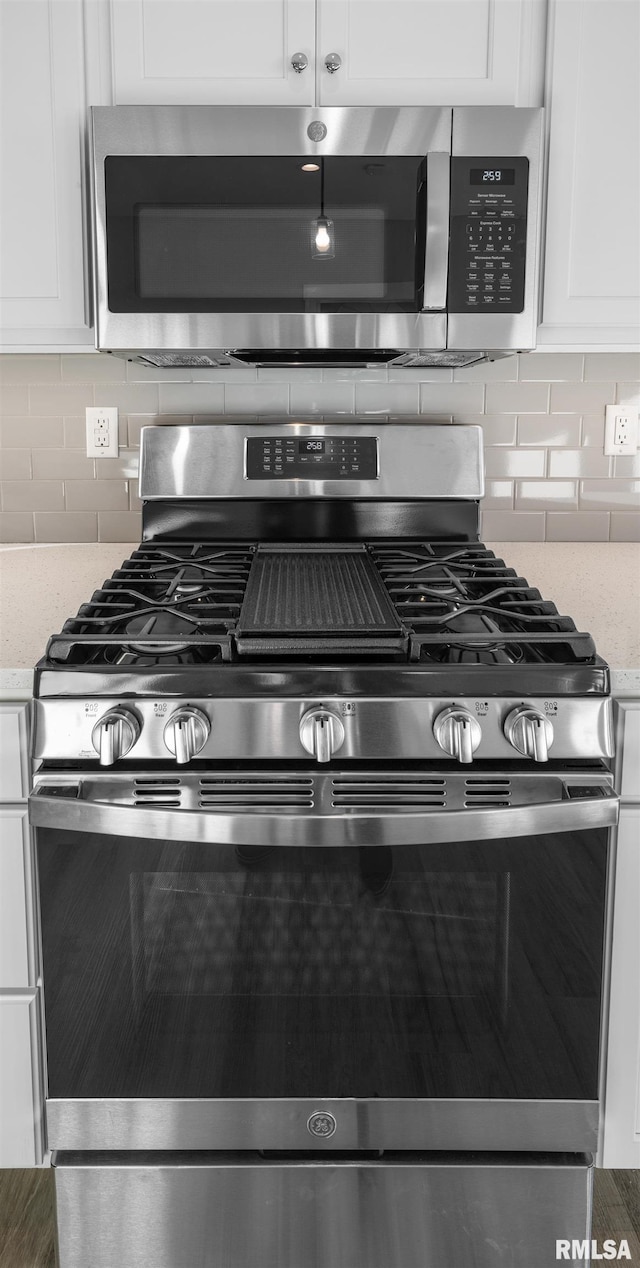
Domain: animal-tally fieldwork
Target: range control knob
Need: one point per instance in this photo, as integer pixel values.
(458, 733)
(114, 735)
(186, 733)
(321, 733)
(529, 732)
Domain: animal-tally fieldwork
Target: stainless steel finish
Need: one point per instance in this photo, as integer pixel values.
(321, 734)
(494, 130)
(218, 334)
(186, 733)
(272, 130)
(380, 1123)
(317, 809)
(299, 61)
(114, 735)
(279, 130)
(437, 237)
(268, 727)
(246, 1213)
(458, 733)
(375, 130)
(333, 62)
(414, 461)
(530, 732)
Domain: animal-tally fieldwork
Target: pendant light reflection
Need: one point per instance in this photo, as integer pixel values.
(322, 233)
(323, 246)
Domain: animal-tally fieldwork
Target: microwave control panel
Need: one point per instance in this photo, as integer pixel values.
(312, 458)
(488, 230)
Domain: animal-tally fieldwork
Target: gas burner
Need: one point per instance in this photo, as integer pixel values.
(439, 603)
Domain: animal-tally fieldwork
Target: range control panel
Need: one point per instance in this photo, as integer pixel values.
(312, 458)
(488, 234)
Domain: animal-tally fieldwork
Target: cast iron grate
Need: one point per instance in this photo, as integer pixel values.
(199, 604)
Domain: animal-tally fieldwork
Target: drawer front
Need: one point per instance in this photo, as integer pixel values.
(243, 1214)
(17, 908)
(14, 751)
(20, 1079)
(629, 740)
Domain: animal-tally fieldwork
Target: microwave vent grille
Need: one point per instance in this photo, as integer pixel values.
(180, 360)
(442, 360)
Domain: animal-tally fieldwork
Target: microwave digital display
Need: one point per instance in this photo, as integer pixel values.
(492, 175)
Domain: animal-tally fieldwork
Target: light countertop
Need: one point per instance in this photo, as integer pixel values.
(596, 583)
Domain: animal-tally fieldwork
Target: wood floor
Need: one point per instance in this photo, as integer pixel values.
(26, 1216)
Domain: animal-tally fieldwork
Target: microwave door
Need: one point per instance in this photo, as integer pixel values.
(436, 255)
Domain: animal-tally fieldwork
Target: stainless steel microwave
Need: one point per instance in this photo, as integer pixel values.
(287, 235)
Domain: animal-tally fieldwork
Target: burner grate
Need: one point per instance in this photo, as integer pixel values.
(177, 604)
(463, 605)
(167, 605)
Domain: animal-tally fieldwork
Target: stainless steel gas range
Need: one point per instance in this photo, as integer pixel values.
(322, 809)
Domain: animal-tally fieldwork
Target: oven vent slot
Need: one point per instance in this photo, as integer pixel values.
(157, 792)
(268, 793)
(485, 791)
(382, 792)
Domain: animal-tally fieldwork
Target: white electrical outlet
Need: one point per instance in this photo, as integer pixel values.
(102, 431)
(621, 429)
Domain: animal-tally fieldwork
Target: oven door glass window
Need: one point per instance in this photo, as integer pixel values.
(468, 970)
(265, 235)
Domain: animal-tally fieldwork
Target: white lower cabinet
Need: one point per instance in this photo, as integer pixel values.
(621, 1146)
(14, 750)
(21, 1098)
(17, 914)
(21, 1049)
(621, 1137)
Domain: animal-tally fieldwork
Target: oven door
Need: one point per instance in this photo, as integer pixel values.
(226, 978)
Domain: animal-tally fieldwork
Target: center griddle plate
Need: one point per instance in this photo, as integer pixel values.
(316, 592)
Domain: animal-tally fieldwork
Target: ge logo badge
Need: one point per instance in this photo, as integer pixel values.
(316, 131)
(321, 1124)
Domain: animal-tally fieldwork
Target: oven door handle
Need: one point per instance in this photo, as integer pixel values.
(64, 807)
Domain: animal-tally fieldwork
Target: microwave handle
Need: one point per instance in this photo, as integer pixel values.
(436, 254)
(66, 809)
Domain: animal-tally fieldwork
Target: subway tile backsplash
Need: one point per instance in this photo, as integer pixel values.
(542, 415)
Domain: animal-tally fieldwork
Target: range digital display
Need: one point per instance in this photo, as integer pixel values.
(492, 175)
(335, 457)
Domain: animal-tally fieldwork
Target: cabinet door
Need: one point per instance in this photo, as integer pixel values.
(621, 1147)
(17, 959)
(20, 1080)
(592, 262)
(42, 112)
(426, 52)
(14, 752)
(212, 51)
(628, 749)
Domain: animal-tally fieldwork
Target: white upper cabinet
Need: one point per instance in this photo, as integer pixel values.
(391, 52)
(591, 289)
(431, 52)
(187, 52)
(42, 293)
